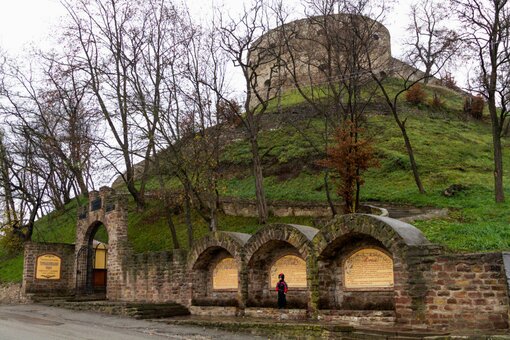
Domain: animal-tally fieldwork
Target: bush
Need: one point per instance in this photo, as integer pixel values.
(415, 95)
(473, 106)
(436, 103)
(449, 81)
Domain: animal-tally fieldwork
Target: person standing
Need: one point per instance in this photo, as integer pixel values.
(282, 288)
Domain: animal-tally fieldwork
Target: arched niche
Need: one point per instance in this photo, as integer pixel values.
(261, 291)
(215, 278)
(346, 282)
(347, 235)
(263, 250)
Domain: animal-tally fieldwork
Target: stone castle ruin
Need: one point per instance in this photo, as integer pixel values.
(324, 49)
(355, 269)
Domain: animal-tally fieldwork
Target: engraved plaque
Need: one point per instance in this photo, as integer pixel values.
(225, 274)
(294, 269)
(48, 267)
(368, 269)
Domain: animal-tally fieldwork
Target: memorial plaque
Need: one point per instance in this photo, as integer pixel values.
(225, 274)
(368, 269)
(48, 267)
(294, 269)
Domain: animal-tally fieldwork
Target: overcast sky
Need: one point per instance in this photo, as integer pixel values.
(25, 22)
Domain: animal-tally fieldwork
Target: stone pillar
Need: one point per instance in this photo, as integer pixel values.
(118, 248)
(312, 273)
(242, 295)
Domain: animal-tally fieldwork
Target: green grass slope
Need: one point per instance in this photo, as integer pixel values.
(450, 149)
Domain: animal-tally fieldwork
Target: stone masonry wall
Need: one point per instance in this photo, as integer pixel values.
(65, 285)
(467, 291)
(10, 293)
(156, 277)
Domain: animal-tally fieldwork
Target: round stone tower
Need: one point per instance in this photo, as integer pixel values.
(319, 50)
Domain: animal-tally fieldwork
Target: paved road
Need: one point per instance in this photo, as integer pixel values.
(36, 322)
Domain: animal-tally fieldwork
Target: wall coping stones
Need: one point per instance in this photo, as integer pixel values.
(240, 236)
(411, 235)
(309, 232)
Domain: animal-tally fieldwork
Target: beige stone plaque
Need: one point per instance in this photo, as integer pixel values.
(48, 267)
(225, 274)
(294, 269)
(368, 269)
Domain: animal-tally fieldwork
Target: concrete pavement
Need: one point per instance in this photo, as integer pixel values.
(38, 322)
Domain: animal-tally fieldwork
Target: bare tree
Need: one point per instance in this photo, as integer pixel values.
(431, 41)
(111, 38)
(240, 40)
(486, 24)
(46, 107)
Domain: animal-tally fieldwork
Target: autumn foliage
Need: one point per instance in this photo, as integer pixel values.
(349, 157)
(416, 95)
(473, 106)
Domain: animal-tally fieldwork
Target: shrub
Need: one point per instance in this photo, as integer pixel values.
(436, 103)
(449, 81)
(415, 95)
(473, 106)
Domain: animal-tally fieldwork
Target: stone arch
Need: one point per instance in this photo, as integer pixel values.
(267, 246)
(85, 258)
(110, 210)
(205, 256)
(347, 234)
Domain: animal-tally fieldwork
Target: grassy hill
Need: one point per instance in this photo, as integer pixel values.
(451, 149)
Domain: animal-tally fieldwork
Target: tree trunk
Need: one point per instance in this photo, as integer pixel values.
(213, 225)
(428, 70)
(259, 181)
(328, 194)
(138, 198)
(410, 153)
(189, 224)
(169, 217)
(498, 153)
(81, 184)
(171, 225)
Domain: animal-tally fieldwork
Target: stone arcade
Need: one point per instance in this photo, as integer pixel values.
(357, 269)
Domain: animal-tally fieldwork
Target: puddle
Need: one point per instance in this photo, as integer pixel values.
(29, 319)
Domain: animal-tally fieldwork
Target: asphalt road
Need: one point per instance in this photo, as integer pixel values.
(37, 322)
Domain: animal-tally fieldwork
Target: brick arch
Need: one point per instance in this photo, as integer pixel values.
(231, 242)
(203, 259)
(300, 237)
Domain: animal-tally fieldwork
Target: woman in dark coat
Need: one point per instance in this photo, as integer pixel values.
(281, 288)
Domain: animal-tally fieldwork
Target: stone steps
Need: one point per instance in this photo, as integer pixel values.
(136, 310)
(156, 311)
